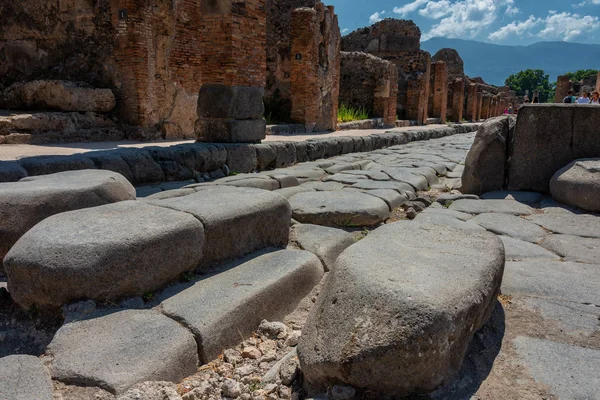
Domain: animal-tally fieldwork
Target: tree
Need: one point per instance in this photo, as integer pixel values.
(531, 79)
(581, 74)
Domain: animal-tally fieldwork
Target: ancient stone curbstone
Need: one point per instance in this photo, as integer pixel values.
(241, 158)
(422, 281)
(44, 165)
(231, 130)
(112, 162)
(143, 167)
(126, 249)
(117, 350)
(235, 102)
(286, 154)
(11, 171)
(578, 184)
(265, 156)
(220, 308)
(315, 149)
(24, 378)
(234, 220)
(301, 151)
(25, 203)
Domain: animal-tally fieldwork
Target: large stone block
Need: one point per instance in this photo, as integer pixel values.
(102, 253)
(230, 102)
(118, 350)
(231, 130)
(11, 171)
(24, 378)
(25, 203)
(578, 184)
(220, 308)
(44, 165)
(400, 308)
(236, 220)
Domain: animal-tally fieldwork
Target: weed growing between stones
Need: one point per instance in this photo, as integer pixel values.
(349, 113)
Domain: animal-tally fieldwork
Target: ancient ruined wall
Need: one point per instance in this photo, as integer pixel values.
(370, 83)
(439, 91)
(458, 95)
(454, 63)
(315, 70)
(562, 87)
(472, 101)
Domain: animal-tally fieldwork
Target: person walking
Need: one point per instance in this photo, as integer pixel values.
(595, 98)
(584, 99)
(510, 109)
(570, 98)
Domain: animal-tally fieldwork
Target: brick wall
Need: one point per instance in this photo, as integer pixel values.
(439, 85)
(458, 95)
(562, 87)
(472, 102)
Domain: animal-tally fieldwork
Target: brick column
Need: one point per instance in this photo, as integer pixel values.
(486, 106)
(440, 91)
(416, 99)
(479, 104)
(234, 38)
(562, 87)
(472, 102)
(386, 98)
(598, 82)
(503, 106)
(458, 100)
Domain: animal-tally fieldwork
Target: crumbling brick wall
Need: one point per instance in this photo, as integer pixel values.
(370, 83)
(315, 71)
(439, 91)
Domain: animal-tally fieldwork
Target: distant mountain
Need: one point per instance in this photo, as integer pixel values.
(494, 63)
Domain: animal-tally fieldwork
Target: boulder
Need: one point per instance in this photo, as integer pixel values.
(399, 309)
(117, 350)
(57, 95)
(485, 166)
(325, 242)
(24, 378)
(237, 220)
(221, 308)
(578, 184)
(102, 253)
(29, 201)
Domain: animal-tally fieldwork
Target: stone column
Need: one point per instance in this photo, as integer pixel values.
(562, 87)
(440, 91)
(503, 106)
(472, 102)
(230, 103)
(458, 100)
(598, 82)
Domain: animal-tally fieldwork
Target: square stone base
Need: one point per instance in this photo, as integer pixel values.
(231, 130)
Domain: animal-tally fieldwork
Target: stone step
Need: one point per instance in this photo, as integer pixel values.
(25, 203)
(223, 308)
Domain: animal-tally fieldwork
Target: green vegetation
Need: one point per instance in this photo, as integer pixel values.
(187, 276)
(581, 74)
(148, 296)
(532, 79)
(348, 113)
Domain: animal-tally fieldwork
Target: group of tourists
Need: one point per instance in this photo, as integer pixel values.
(583, 99)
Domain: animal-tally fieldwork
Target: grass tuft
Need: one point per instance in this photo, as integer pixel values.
(349, 114)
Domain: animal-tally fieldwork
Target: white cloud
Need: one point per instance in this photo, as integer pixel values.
(515, 29)
(345, 30)
(376, 17)
(410, 7)
(512, 10)
(586, 3)
(436, 9)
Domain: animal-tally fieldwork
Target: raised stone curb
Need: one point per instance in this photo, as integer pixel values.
(24, 378)
(220, 308)
(186, 161)
(118, 350)
(103, 253)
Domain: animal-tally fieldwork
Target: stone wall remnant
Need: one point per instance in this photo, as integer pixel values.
(458, 95)
(370, 83)
(439, 91)
(472, 102)
(563, 85)
(315, 71)
(454, 63)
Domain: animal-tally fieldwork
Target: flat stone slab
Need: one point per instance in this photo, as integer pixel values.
(27, 202)
(237, 221)
(417, 181)
(444, 211)
(400, 187)
(578, 184)
(103, 253)
(571, 372)
(574, 248)
(446, 219)
(569, 224)
(516, 250)
(118, 350)
(339, 208)
(323, 186)
(491, 206)
(404, 282)
(220, 308)
(521, 197)
(24, 378)
(510, 225)
(325, 242)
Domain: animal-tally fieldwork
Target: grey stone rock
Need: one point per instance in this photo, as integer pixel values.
(400, 187)
(152, 391)
(23, 204)
(510, 225)
(286, 154)
(44, 165)
(326, 243)
(236, 102)
(24, 378)
(373, 175)
(446, 219)
(574, 248)
(578, 184)
(345, 179)
(143, 167)
(168, 194)
(569, 371)
(516, 250)
(231, 130)
(338, 208)
(521, 197)
(125, 249)
(291, 191)
(323, 186)
(403, 282)
(146, 346)
(340, 167)
(417, 181)
(391, 197)
(235, 220)
(451, 213)
(447, 199)
(265, 156)
(111, 162)
(219, 308)
(253, 182)
(241, 158)
(285, 181)
(272, 374)
(11, 171)
(569, 224)
(491, 206)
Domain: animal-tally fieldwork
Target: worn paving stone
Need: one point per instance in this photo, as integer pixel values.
(578, 225)
(403, 282)
(491, 206)
(574, 248)
(391, 197)
(447, 199)
(577, 320)
(446, 219)
(345, 178)
(400, 187)
(220, 308)
(24, 378)
(516, 250)
(373, 175)
(103, 253)
(510, 225)
(444, 211)
(339, 208)
(291, 191)
(570, 371)
(325, 242)
(578, 184)
(323, 186)
(118, 350)
(521, 197)
(234, 220)
(417, 181)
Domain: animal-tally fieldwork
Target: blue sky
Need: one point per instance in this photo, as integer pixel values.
(516, 22)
